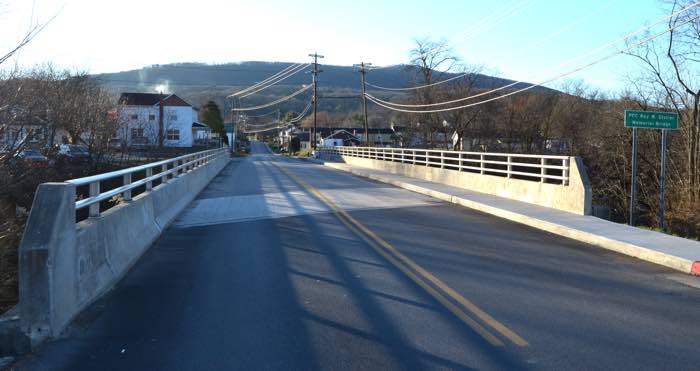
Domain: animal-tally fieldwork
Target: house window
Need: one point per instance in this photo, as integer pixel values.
(173, 134)
(137, 133)
(151, 117)
(173, 117)
(134, 116)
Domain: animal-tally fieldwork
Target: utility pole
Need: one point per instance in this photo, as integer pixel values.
(363, 71)
(315, 73)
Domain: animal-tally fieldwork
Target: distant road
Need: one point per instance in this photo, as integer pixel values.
(283, 264)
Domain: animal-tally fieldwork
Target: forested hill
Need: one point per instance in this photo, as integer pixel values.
(198, 83)
(182, 75)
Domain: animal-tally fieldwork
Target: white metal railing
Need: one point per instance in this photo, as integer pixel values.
(164, 171)
(542, 168)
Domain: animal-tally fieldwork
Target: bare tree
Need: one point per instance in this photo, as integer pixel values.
(429, 61)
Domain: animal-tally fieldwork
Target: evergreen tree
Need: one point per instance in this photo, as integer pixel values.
(211, 116)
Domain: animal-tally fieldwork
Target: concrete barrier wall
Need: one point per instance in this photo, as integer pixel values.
(65, 266)
(574, 197)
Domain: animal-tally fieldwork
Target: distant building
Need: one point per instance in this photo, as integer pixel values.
(145, 117)
(23, 128)
(340, 138)
(378, 137)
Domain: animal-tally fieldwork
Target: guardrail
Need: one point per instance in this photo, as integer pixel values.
(166, 170)
(542, 168)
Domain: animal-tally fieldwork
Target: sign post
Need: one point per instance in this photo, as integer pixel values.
(633, 191)
(650, 120)
(662, 185)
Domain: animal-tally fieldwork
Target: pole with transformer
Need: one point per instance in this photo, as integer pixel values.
(363, 71)
(315, 73)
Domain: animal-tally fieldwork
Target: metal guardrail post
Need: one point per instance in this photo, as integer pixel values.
(149, 173)
(163, 170)
(482, 165)
(442, 160)
(543, 171)
(414, 156)
(510, 167)
(565, 173)
(94, 209)
(127, 194)
(460, 162)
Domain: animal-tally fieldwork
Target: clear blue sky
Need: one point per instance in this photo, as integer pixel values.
(516, 39)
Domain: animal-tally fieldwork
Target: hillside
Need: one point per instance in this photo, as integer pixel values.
(197, 83)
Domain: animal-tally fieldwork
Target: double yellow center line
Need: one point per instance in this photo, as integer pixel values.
(445, 295)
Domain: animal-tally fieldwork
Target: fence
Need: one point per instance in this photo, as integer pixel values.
(64, 266)
(139, 176)
(542, 168)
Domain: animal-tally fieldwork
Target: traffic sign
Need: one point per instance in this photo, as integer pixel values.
(651, 120)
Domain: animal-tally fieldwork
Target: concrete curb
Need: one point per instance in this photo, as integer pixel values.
(674, 262)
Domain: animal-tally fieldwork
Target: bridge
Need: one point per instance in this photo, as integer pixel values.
(361, 259)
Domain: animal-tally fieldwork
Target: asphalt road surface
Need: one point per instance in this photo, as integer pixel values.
(283, 264)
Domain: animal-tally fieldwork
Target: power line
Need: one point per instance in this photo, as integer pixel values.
(264, 114)
(378, 102)
(263, 81)
(496, 18)
(565, 63)
(279, 125)
(277, 80)
(255, 86)
(419, 87)
(565, 28)
(275, 102)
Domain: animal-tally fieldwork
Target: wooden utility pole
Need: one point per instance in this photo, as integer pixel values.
(315, 73)
(363, 71)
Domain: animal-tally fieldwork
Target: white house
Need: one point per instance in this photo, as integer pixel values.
(145, 117)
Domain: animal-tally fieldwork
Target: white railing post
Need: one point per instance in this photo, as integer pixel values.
(94, 209)
(414, 156)
(482, 165)
(543, 171)
(461, 163)
(442, 160)
(163, 170)
(510, 167)
(565, 173)
(149, 184)
(127, 181)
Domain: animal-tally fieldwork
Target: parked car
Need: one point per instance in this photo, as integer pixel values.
(30, 158)
(73, 153)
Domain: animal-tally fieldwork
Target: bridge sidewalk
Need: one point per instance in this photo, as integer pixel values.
(673, 252)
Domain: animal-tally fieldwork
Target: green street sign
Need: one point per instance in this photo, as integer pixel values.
(651, 120)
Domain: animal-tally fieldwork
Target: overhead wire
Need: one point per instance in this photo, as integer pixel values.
(265, 81)
(566, 27)
(616, 53)
(285, 124)
(283, 99)
(563, 64)
(496, 19)
(256, 85)
(264, 114)
(277, 80)
(418, 87)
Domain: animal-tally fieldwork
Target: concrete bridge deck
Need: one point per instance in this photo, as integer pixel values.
(287, 265)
